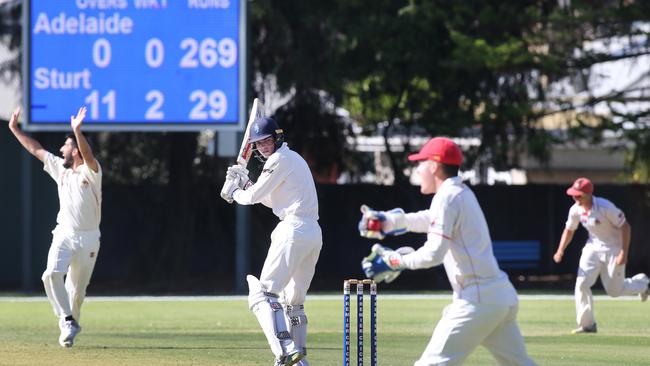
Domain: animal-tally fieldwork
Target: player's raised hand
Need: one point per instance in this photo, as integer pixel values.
(13, 121)
(371, 223)
(76, 121)
(377, 224)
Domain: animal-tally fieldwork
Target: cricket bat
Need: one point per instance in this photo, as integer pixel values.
(246, 148)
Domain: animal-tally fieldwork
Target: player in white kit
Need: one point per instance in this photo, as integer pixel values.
(75, 239)
(286, 186)
(485, 304)
(605, 252)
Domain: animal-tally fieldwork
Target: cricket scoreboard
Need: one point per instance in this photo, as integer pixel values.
(135, 64)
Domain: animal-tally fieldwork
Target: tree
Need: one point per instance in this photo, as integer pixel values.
(294, 55)
(458, 68)
(11, 37)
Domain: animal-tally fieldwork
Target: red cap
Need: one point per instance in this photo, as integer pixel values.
(440, 149)
(580, 186)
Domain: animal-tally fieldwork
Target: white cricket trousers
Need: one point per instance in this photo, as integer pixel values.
(612, 276)
(73, 253)
(465, 325)
(291, 260)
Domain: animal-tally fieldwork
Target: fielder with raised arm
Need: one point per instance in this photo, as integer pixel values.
(605, 252)
(75, 239)
(485, 304)
(286, 186)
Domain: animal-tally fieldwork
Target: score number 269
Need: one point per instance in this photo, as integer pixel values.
(207, 53)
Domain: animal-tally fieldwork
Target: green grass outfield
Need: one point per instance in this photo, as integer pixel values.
(221, 331)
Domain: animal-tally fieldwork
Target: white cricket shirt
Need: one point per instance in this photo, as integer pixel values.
(603, 222)
(285, 185)
(80, 194)
(458, 237)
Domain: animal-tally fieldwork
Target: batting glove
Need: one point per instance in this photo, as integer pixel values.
(240, 172)
(229, 187)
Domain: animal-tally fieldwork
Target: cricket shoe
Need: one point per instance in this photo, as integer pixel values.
(581, 330)
(69, 330)
(643, 294)
(290, 359)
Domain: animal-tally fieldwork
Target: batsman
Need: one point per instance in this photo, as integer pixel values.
(485, 304)
(287, 187)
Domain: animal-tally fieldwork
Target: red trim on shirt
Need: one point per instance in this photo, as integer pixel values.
(441, 234)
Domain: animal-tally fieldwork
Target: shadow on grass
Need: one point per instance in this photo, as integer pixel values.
(192, 348)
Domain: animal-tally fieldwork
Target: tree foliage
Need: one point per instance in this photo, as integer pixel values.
(11, 37)
(488, 69)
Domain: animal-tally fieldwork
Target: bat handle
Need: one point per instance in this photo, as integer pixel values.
(224, 195)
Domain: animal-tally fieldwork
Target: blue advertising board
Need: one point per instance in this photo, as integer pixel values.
(135, 64)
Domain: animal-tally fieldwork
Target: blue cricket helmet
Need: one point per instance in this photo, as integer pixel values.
(265, 127)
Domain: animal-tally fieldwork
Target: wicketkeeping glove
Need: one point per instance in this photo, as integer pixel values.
(383, 263)
(378, 224)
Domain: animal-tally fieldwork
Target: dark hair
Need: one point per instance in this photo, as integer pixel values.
(72, 137)
(450, 170)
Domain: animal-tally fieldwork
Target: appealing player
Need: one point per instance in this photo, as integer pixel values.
(604, 254)
(286, 186)
(485, 304)
(75, 239)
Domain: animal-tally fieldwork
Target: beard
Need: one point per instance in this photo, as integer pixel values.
(68, 162)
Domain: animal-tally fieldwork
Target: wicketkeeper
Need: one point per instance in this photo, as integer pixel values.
(485, 304)
(287, 187)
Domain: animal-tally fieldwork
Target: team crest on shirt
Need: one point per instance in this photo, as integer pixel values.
(270, 170)
(84, 184)
(92, 254)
